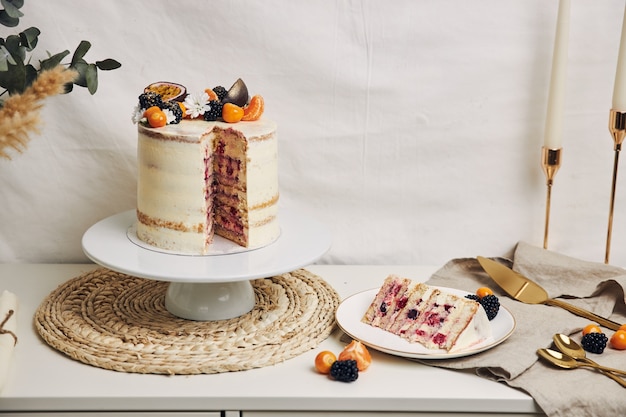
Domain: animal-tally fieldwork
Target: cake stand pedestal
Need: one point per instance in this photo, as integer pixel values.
(207, 287)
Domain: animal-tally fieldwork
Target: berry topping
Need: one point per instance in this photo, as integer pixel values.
(176, 110)
(220, 91)
(149, 99)
(594, 342)
(491, 304)
(215, 112)
(472, 297)
(344, 371)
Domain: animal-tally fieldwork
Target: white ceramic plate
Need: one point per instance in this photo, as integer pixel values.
(302, 241)
(352, 309)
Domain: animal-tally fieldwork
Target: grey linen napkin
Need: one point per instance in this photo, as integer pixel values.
(593, 286)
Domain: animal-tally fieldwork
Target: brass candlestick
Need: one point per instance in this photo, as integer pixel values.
(617, 127)
(550, 162)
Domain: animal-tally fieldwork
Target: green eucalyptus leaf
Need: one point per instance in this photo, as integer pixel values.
(92, 78)
(14, 80)
(13, 44)
(12, 9)
(30, 74)
(29, 38)
(8, 21)
(4, 63)
(6, 55)
(81, 68)
(108, 64)
(53, 60)
(80, 52)
(68, 88)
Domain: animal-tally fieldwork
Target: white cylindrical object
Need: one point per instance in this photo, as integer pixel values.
(619, 89)
(556, 99)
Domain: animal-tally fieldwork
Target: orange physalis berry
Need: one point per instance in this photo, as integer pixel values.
(231, 113)
(618, 340)
(324, 360)
(483, 292)
(150, 110)
(254, 109)
(157, 119)
(592, 328)
(211, 93)
(358, 352)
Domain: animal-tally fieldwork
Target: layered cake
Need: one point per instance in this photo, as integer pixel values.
(430, 316)
(200, 175)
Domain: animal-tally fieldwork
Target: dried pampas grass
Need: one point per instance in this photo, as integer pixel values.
(19, 116)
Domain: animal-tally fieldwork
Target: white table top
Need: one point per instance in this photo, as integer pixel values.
(43, 379)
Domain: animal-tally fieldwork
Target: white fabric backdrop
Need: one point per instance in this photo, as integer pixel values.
(413, 129)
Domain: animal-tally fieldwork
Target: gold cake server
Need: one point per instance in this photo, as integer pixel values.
(523, 289)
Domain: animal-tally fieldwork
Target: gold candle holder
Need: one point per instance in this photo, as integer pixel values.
(617, 128)
(550, 162)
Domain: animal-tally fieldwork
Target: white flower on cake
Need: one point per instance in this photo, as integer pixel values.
(197, 104)
(137, 114)
(169, 116)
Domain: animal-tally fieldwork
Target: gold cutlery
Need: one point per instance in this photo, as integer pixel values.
(573, 349)
(567, 362)
(523, 289)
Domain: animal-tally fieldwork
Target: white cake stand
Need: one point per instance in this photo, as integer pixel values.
(207, 287)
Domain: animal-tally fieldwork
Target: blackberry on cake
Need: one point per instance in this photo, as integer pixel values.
(215, 112)
(491, 304)
(220, 91)
(173, 107)
(150, 99)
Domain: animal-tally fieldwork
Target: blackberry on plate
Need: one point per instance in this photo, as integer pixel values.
(149, 99)
(594, 342)
(344, 371)
(491, 304)
(220, 91)
(215, 112)
(473, 297)
(174, 107)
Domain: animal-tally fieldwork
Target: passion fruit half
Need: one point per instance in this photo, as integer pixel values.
(237, 94)
(169, 91)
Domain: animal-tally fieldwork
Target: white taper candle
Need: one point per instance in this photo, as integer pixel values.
(556, 99)
(619, 89)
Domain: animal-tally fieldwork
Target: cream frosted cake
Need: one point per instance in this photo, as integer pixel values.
(205, 172)
(430, 316)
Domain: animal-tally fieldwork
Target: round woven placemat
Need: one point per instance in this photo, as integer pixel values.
(119, 322)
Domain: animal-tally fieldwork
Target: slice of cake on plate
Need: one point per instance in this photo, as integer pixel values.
(435, 318)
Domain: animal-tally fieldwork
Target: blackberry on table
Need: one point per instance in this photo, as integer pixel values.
(594, 342)
(220, 91)
(344, 371)
(149, 99)
(174, 107)
(215, 112)
(491, 304)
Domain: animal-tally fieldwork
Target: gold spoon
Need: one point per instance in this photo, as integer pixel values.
(565, 361)
(573, 349)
